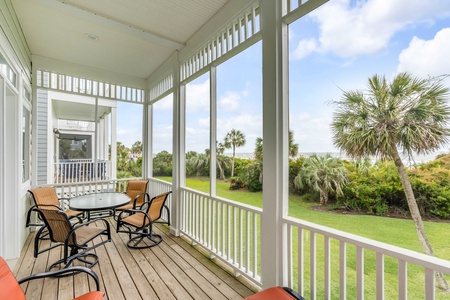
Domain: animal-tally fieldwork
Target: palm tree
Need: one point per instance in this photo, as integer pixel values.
(324, 174)
(234, 139)
(258, 154)
(222, 160)
(408, 114)
(293, 147)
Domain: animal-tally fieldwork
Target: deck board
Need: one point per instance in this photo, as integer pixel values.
(172, 270)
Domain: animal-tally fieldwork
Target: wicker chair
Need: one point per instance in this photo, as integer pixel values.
(137, 191)
(139, 222)
(79, 239)
(47, 196)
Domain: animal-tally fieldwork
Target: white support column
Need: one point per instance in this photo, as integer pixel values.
(147, 143)
(10, 164)
(179, 147)
(213, 128)
(106, 135)
(114, 142)
(101, 137)
(3, 174)
(275, 145)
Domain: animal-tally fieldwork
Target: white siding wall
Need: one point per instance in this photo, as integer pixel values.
(42, 163)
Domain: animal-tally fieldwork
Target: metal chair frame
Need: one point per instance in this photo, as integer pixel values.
(78, 250)
(143, 228)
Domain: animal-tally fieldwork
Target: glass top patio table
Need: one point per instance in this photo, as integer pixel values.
(98, 202)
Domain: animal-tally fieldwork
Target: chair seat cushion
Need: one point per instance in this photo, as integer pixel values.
(91, 296)
(73, 213)
(137, 220)
(9, 288)
(272, 293)
(86, 233)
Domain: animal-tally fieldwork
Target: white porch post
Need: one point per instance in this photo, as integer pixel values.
(179, 138)
(113, 142)
(275, 145)
(213, 126)
(147, 143)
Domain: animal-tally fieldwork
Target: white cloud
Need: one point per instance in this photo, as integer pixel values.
(348, 30)
(304, 48)
(197, 96)
(312, 133)
(230, 101)
(427, 57)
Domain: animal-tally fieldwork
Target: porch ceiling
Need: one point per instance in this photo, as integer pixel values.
(134, 36)
(78, 111)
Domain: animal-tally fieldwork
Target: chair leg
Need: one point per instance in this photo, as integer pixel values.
(65, 263)
(142, 237)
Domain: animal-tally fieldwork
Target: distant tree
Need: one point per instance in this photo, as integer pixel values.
(162, 164)
(222, 161)
(293, 147)
(198, 163)
(324, 174)
(233, 140)
(136, 148)
(258, 154)
(409, 114)
(122, 157)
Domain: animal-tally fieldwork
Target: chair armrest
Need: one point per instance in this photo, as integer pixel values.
(146, 198)
(31, 210)
(61, 272)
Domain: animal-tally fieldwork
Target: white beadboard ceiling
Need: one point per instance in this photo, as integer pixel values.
(134, 36)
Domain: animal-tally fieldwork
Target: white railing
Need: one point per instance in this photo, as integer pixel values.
(353, 267)
(81, 170)
(228, 230)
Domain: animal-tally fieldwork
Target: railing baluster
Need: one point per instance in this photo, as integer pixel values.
(301, 261)
(313, 265)
(327, 267)
(342, 270)
(402, 280)
(380, 276)
(430, 282)
(359, 273)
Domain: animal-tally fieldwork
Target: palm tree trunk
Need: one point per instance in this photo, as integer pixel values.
(221, 173)
(232, 163)
(323, 196)
(415, 214)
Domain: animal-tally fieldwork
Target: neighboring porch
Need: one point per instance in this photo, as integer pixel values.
(172, 270)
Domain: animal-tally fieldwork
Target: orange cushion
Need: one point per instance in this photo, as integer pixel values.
(91, 296)
(271, 293)
(9, 287)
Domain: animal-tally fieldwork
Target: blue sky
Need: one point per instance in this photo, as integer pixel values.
(337, 47)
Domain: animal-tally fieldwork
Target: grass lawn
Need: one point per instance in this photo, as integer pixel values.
(399, 232)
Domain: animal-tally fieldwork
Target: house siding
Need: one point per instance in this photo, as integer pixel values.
(42, 136)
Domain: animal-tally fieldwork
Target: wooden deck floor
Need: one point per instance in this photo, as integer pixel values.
(172, 270)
